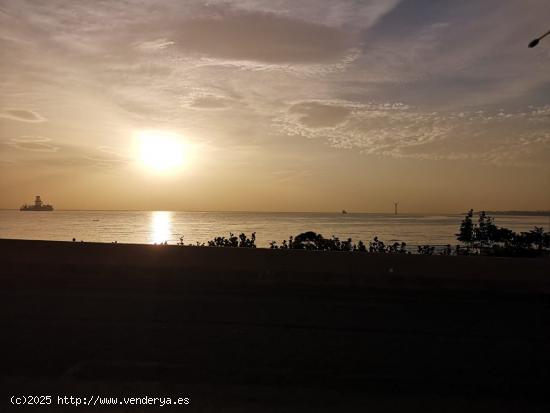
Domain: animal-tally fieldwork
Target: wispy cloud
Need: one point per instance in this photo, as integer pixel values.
(107, 157)
(154, 45)
(399, 131)
(22, 115)
(33, 144)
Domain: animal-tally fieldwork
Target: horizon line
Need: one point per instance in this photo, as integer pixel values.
(293, 212)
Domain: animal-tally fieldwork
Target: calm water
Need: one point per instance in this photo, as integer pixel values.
(159, 226)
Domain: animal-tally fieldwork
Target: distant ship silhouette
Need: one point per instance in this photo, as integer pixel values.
(38, 206)
(344, 211)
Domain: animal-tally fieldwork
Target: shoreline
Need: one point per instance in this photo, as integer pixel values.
(266, 266)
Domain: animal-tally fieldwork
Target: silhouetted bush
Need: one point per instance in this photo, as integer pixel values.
(360, 247)
(426, 250)
(242, 241)
(307, 241)
(312, 241)
(377, 246)
(397, 248)
(460, 250)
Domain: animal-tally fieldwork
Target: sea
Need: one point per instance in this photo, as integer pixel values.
(172, 227)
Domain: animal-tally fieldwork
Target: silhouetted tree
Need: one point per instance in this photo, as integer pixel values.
(487, 238)
(466, 231)
(538, 238)
(502, 235)
(486, 232)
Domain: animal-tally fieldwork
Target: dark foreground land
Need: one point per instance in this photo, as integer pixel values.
(263, 331)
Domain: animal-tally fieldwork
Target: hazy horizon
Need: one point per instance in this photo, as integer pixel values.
(272, 106)
(388, 212)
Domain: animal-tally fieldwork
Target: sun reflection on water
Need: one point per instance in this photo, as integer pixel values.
(161, 226)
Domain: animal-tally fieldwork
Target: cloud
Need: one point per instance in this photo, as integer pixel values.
(33, 144)
(154, 45)
(356, 14)
(22, 115)
(290, 176)
(320, 115)
(400, 131)
(107, 157)
(262, 37)
(209, 102)
(225, 71)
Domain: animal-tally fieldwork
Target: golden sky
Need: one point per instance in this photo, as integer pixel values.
(276, 105)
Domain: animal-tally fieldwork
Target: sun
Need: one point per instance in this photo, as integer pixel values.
(160, 151)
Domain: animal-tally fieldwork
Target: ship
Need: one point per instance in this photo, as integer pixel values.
(38, 206)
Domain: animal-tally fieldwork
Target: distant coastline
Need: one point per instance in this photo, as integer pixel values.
(520, 213)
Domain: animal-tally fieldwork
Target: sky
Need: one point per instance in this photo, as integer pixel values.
(277, 105)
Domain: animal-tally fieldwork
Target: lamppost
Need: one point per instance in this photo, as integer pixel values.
(536, 41)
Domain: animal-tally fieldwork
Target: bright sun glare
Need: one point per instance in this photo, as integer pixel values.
(160, 151)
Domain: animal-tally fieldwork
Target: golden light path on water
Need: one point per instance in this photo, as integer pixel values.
(161, 226)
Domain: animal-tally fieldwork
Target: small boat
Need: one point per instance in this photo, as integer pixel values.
(38, 206)
(344, 211)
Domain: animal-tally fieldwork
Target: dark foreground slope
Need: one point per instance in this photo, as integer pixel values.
(260, 330)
